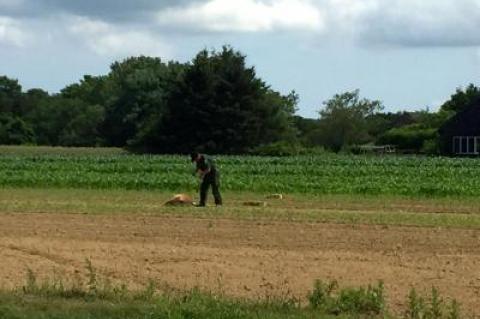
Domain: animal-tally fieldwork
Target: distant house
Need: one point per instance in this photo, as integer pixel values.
(460, 135)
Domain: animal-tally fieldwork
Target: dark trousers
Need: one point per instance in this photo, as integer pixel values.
(211, 179)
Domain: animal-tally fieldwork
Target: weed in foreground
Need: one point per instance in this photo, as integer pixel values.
(434, 308)
(325, 300)
(364, 301)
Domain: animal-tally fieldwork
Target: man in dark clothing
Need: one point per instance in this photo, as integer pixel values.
(210, 176)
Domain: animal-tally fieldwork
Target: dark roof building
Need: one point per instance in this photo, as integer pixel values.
(460, 135)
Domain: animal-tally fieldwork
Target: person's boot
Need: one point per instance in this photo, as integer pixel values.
(199, 205)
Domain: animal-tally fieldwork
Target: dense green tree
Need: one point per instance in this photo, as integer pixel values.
(220, 106)
(82, 128)
(432, 120)
(93, 90)
(67, 122)
(305, 125)
(140, 87)
(10, 95)
(379, 123)
(14, 105)
(343, 120)
(14, 131)
(31, 99)
(215, 103)
(306, 130)
(462, 99)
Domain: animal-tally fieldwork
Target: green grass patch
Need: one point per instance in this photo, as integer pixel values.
(346, 209)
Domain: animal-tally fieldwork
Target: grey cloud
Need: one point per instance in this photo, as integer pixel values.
(435, 24)
(109, 10)
(402, 35)
(409, 23)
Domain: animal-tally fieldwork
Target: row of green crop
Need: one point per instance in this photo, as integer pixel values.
(326, 174)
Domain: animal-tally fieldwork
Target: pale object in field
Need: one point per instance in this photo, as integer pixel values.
(274, 196)
(255, 203)
(179, 200)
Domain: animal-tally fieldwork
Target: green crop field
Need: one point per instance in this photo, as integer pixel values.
(324, 174)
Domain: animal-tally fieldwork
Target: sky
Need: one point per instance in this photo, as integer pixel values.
(409, 54)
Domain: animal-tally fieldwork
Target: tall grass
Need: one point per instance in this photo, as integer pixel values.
(91, 296)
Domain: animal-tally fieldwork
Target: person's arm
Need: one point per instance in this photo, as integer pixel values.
(199, 171)
(208, 164)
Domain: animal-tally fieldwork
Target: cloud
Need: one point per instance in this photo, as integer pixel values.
(349, 11)
(11, 3)
(106, 10)
(404, 23)
(12, 33)
(115, 41)
(244, 16)
(409, 23)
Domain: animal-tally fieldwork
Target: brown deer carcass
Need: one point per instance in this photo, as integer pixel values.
(179, 200)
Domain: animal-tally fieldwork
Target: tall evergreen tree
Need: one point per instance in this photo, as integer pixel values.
(220, 106)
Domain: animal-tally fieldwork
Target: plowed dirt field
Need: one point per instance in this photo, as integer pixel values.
(243, 258)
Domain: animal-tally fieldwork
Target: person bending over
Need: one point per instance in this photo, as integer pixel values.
(209, 175)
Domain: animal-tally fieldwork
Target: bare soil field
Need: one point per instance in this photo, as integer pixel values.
(240, 257)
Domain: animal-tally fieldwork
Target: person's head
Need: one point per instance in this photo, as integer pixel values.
(195, 156)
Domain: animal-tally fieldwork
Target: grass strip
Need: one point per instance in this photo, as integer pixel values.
(376, 210)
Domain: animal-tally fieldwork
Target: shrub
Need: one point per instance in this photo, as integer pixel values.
(286, 149)
(277, 149)
(431, 147)
(411, 137)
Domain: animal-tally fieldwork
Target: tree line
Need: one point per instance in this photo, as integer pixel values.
(215, 103)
